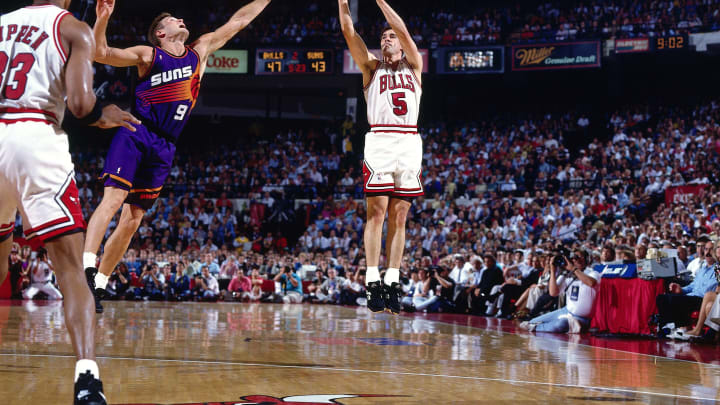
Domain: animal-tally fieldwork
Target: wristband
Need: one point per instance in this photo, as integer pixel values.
(92, 117)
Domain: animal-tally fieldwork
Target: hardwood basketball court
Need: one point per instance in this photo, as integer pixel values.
(193, 353)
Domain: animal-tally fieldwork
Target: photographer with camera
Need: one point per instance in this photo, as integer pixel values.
(292, 285)
(153, 283)
(41, 274)
(119, 282)
(580, 289)
(444, 288)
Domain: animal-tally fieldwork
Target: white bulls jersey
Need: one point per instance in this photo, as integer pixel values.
(32, 65)
(393, 98)
(36, 169)
(393, 147)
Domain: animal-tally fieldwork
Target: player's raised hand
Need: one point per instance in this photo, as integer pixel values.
(104, 8)
(113, 116)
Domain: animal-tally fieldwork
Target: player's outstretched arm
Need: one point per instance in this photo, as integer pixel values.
(211, 42)
(406, 41)
(359, 51)
(81, 100)
(134, 56)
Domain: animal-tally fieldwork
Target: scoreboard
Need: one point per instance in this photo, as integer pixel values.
(281, 61)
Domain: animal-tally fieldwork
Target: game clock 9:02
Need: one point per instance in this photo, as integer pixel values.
(671, 43)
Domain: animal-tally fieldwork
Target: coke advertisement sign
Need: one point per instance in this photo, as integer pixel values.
(682, 194)
(228, 62)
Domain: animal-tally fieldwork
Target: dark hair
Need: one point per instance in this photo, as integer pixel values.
(154, 26)
(384, 30)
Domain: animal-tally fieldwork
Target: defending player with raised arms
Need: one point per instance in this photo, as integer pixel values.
(45, 64)
(393, 147)
(138, 163)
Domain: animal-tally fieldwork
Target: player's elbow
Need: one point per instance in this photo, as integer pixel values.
(80, 105)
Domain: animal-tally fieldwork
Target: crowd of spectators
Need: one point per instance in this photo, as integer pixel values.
(512, 218)
(450, 23)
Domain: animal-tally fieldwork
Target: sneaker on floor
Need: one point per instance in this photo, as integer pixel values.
(393, 298)
(89, 390)
(530, 327)
(679, 334)
(98, 293)
(375, 296)
(574, 326)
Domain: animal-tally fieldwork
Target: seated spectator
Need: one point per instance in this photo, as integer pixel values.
(489, 277)
(443, 287)
(206, 286)
(353, 292)
(119, 282)
(529, 298)
(255, 293)
(518, 278)
(291, 285)
(580, 289)
(178, 285)
(15, 268)
(677, 306)
(330, 289)
(41, 276)
(153, 281)
(239, 285)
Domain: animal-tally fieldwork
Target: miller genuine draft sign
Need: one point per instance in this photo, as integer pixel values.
(562, 55)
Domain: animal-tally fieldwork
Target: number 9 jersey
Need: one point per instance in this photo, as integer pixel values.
(167, 93)
(393, 148)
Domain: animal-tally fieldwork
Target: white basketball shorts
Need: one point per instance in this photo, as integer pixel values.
(393, 164)
(37, 177)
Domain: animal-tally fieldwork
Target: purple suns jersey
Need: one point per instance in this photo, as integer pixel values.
(168, 92)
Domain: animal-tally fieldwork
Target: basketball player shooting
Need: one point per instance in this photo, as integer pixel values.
(393, 147)
(138, 163)
(45, 59)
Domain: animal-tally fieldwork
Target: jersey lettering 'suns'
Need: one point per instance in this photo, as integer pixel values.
(170, 75)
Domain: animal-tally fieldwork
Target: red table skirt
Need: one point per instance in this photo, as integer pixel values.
(626, 305)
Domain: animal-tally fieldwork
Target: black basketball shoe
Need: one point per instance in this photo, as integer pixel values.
(98, 294)
(375, 296)
(89, 390)
(393, 298)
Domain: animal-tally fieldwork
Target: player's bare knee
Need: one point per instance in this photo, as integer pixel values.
(112, 201)
(376, 215)
(399, 218)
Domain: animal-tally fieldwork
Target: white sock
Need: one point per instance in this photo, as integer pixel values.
(83, 366)
(101, 280)
(89, 259)
(372, 274)
(392, 276)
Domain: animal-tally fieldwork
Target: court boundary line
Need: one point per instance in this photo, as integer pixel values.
(403, 373)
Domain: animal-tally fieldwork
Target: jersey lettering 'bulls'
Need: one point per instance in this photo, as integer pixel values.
(392, 82)
(170, 75)
(25, 34)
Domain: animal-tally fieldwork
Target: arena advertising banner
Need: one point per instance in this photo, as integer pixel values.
(228, 62)
(632, 45)
(350, 67)
(553, 56)
(682, 194)
(471, 60)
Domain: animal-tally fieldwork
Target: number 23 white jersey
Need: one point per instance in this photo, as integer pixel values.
(32, 65)
(393, 98)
